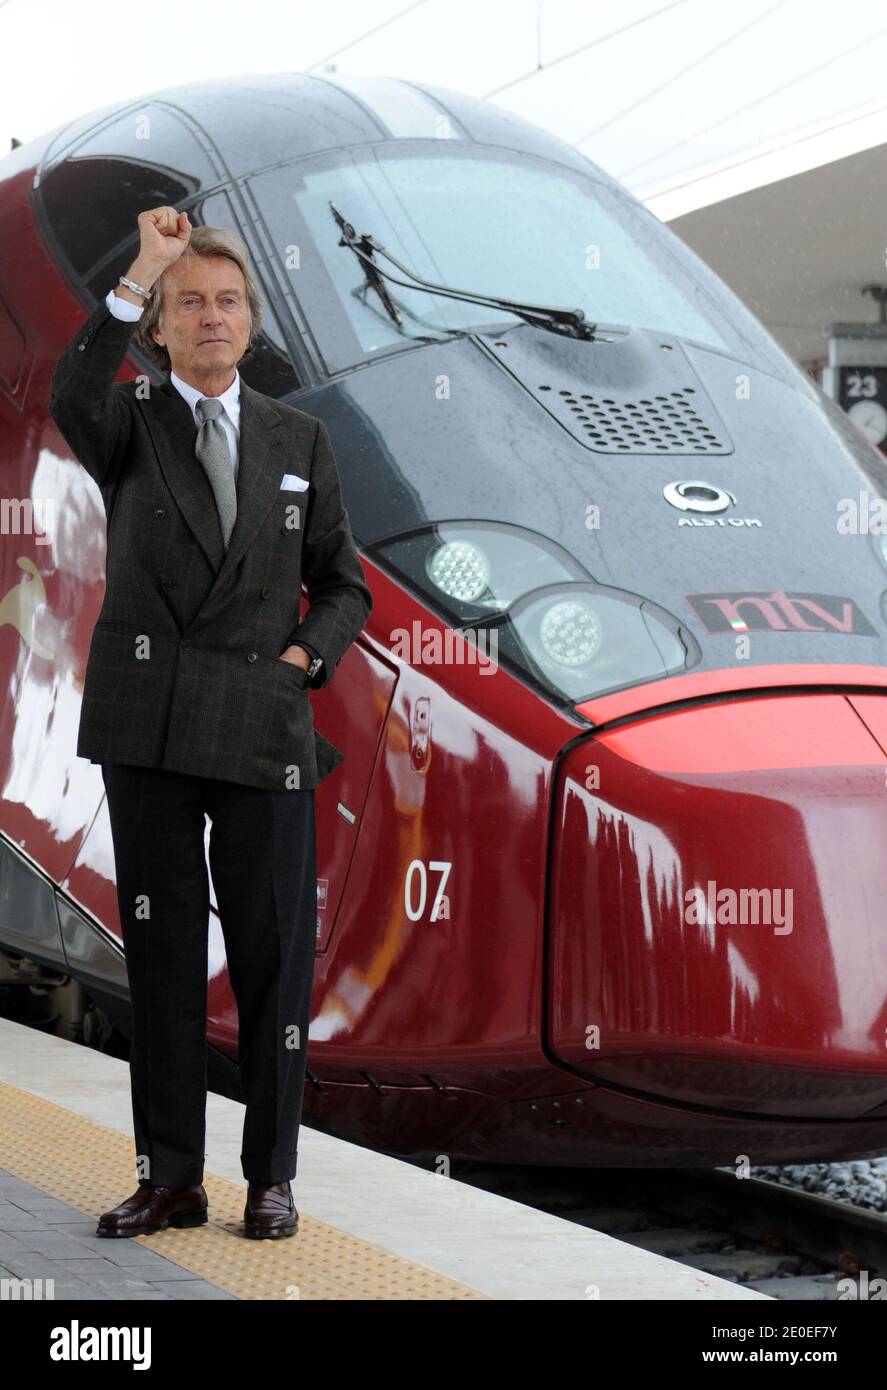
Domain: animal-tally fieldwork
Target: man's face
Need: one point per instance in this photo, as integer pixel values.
(204, 322)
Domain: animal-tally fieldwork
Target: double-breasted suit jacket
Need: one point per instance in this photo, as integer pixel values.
(184, 670)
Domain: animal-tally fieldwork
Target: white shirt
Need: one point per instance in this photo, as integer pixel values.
(230, 399)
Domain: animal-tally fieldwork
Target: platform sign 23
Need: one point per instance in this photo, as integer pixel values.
(862, 392)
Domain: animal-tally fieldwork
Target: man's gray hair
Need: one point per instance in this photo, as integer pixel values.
(205, 241)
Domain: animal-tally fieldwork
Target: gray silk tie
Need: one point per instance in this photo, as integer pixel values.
(212, 449)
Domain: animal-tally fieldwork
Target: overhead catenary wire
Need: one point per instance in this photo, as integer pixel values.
(582, 48)
(798, 139)
(758, 101)
(367, 34)
(682, 72)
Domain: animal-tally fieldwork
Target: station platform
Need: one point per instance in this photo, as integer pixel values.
(371, 1227)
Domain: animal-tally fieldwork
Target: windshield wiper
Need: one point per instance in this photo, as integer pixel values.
(571, 323)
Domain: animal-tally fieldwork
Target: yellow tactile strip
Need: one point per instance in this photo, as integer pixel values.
(90, 1167)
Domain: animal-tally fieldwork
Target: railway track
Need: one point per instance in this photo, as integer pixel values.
(789, 1244)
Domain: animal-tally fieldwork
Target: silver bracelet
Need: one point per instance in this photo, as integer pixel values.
(137, 289)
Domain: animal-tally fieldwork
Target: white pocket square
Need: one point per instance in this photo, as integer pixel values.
(293, 483)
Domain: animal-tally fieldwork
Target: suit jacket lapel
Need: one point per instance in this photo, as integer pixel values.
(174, 432)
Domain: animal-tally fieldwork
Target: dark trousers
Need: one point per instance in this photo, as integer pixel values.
(263, 859)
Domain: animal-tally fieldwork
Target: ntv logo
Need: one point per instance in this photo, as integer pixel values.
(774, 610)
(76, 1343)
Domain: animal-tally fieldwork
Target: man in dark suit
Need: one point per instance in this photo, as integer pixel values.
(219, 500)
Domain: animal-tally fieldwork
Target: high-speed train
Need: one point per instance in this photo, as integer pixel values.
(602, 875)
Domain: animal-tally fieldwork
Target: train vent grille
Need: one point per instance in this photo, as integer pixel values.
(672, 423)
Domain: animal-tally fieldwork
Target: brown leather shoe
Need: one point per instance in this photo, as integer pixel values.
(153, 1209)
(270, 1211)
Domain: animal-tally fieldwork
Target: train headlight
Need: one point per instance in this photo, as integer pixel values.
(553, 624)
(460, 569)
(582, 639)
(570, 632)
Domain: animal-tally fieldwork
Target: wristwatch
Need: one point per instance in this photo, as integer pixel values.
(316, 659)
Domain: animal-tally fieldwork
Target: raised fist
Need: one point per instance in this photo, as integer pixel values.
(165, 234)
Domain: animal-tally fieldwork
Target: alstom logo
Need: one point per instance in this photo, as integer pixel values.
(765, 610)
(694, 495)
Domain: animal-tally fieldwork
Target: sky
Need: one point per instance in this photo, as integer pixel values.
(684, 101)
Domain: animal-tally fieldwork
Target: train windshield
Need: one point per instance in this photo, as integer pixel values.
(495, 223)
